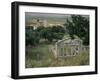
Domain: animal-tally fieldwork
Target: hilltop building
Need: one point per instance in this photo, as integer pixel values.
(35, 23)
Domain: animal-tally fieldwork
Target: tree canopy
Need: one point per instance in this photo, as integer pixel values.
(48, 33)
(78, 25)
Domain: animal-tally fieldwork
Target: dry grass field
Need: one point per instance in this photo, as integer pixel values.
(41, 56)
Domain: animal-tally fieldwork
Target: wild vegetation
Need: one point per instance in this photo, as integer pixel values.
(79, 26)
(38, 43)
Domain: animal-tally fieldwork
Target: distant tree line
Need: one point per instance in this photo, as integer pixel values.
(48, 33)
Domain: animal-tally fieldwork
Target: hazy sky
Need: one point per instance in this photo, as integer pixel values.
(29, 15)
(50, 17)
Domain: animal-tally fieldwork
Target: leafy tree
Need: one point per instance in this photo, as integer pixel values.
(58, 29)
(50, 33)
(46, 33)
(39, 28)
(58, 32)
(32, 37)
(79, 26)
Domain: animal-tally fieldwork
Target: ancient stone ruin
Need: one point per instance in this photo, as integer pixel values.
(68, 48)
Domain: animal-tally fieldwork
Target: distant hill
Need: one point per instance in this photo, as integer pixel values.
(51, 18)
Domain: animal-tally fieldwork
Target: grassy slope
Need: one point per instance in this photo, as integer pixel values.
(41, 56)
